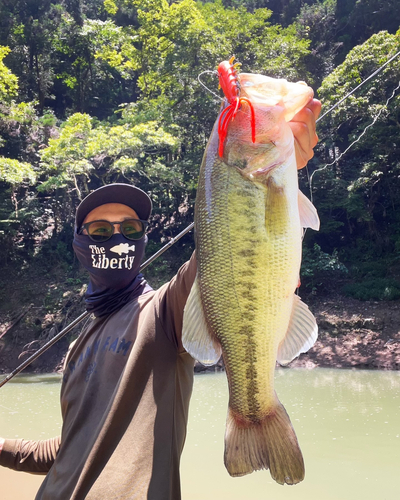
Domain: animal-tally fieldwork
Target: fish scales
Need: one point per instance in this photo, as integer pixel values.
(242, 252)
(248, 244)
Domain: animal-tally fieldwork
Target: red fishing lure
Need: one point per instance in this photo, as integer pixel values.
(229, 82)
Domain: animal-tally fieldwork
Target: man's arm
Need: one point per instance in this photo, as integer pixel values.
(36, 457)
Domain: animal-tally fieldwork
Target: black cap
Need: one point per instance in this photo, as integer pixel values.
(126, 194)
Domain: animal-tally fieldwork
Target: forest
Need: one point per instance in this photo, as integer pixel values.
(100, 91)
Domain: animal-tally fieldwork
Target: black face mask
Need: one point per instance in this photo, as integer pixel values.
(113, 266)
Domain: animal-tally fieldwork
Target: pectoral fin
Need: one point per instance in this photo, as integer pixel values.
(308, 213)
(301, 335)
(196, 338)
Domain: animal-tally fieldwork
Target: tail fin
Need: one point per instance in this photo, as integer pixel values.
(269, 444)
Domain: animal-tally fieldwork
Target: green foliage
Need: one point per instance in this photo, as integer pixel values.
(357, 196)
(54, 252)
(257, 44)
(373, 279)
(359, 20)
(165, 267)
(97, 91)
(162, 51)
(110, 7)
(15, 172)
(317, 22)
(172, 42)
(85, 148)
(8, 81)
(319, 269)
(374, 289)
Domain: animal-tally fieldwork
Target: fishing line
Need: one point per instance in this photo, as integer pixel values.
(310, 178)
(330, 109)
(170, 243)
(205, 86)
(358, 86)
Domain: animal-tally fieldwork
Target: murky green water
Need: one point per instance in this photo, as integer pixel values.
(347, 423)
(29, 409)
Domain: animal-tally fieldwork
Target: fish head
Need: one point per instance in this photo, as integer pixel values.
(275, 102)
(265, 91)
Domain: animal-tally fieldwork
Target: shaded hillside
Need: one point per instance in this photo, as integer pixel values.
(352, 333)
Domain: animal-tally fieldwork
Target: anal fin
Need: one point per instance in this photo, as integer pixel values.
(196, 339)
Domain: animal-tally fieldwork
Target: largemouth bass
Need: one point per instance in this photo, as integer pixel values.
(249, 220)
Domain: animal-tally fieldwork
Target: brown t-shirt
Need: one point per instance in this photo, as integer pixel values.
(124, 400)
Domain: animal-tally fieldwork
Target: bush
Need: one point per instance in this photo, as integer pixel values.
(319, 269)
(374, 289)
(57, 250)
(361, 271)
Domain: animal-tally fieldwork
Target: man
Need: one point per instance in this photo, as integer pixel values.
(127, 379)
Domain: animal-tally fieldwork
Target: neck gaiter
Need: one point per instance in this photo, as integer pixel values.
(113, 267)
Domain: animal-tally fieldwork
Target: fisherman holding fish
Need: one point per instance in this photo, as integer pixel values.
(128, 378)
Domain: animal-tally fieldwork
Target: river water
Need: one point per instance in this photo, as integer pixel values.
(347, 423)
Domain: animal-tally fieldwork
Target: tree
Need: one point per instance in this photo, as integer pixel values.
(8, 81)
(88, 154)
(318, 23)
(168, 46)
(359, 20)
(358, 196)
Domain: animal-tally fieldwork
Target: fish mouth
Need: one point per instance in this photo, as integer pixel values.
(261, 89)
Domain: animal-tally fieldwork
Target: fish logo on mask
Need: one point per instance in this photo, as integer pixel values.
(122, 248)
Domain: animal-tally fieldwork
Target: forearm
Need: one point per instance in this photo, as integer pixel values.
(29, 456)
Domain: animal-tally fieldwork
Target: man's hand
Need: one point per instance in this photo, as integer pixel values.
(303, 128)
